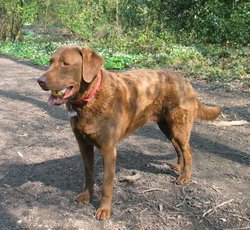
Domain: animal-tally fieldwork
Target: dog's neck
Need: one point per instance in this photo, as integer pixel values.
(88, 91)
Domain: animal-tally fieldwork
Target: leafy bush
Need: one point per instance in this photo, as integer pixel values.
(211, 62)
(211, 21)
(207, 21)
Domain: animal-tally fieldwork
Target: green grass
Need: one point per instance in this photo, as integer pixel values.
(212, 63)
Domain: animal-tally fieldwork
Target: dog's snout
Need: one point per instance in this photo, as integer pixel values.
(42, 81)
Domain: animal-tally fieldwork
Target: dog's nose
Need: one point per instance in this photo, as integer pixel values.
(42, 81)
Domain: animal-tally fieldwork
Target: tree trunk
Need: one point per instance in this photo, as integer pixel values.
(117, 14)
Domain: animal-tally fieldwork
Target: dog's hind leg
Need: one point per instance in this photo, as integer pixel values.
(163, 125)
(177, 127)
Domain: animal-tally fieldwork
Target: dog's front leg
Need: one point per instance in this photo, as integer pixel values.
(87, 153)
(109, 162)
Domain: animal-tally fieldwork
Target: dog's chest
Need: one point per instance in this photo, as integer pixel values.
(86, 125)
(88, 132)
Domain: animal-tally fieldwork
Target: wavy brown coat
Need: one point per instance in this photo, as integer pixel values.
(123, 103)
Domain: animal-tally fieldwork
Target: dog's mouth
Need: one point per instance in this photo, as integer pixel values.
(59, 97)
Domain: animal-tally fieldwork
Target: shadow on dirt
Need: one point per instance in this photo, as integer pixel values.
(199, 143)
(66, 176)
(69, 171)
(239, 112)
(8, 221)
(58, 112)
(219, 149)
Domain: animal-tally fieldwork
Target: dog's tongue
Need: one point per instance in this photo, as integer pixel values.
(55, 101)
(68, 93)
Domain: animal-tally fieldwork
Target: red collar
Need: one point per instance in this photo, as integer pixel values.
(84, 100)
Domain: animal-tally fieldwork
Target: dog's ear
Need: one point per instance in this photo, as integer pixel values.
(91, 64)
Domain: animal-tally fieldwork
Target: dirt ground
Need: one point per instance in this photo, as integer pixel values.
(41, 169)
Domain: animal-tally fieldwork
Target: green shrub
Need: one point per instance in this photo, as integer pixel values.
(210, 62)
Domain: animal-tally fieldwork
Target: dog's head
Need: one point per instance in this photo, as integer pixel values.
(70, 68)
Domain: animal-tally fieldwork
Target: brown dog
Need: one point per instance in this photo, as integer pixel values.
(109, 106)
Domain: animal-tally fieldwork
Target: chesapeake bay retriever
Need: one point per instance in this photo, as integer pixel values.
(109, 106)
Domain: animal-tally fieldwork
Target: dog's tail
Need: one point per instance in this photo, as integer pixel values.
(207, 113)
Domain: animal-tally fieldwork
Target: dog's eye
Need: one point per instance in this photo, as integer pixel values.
(65, 63)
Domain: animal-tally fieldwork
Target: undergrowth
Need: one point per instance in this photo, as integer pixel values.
(213, 63)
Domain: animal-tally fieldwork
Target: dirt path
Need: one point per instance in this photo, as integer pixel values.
(41, 170)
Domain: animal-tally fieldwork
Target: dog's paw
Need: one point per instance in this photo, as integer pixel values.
(102, 213)
(83, 197)
(177, 167)
(183, 179)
